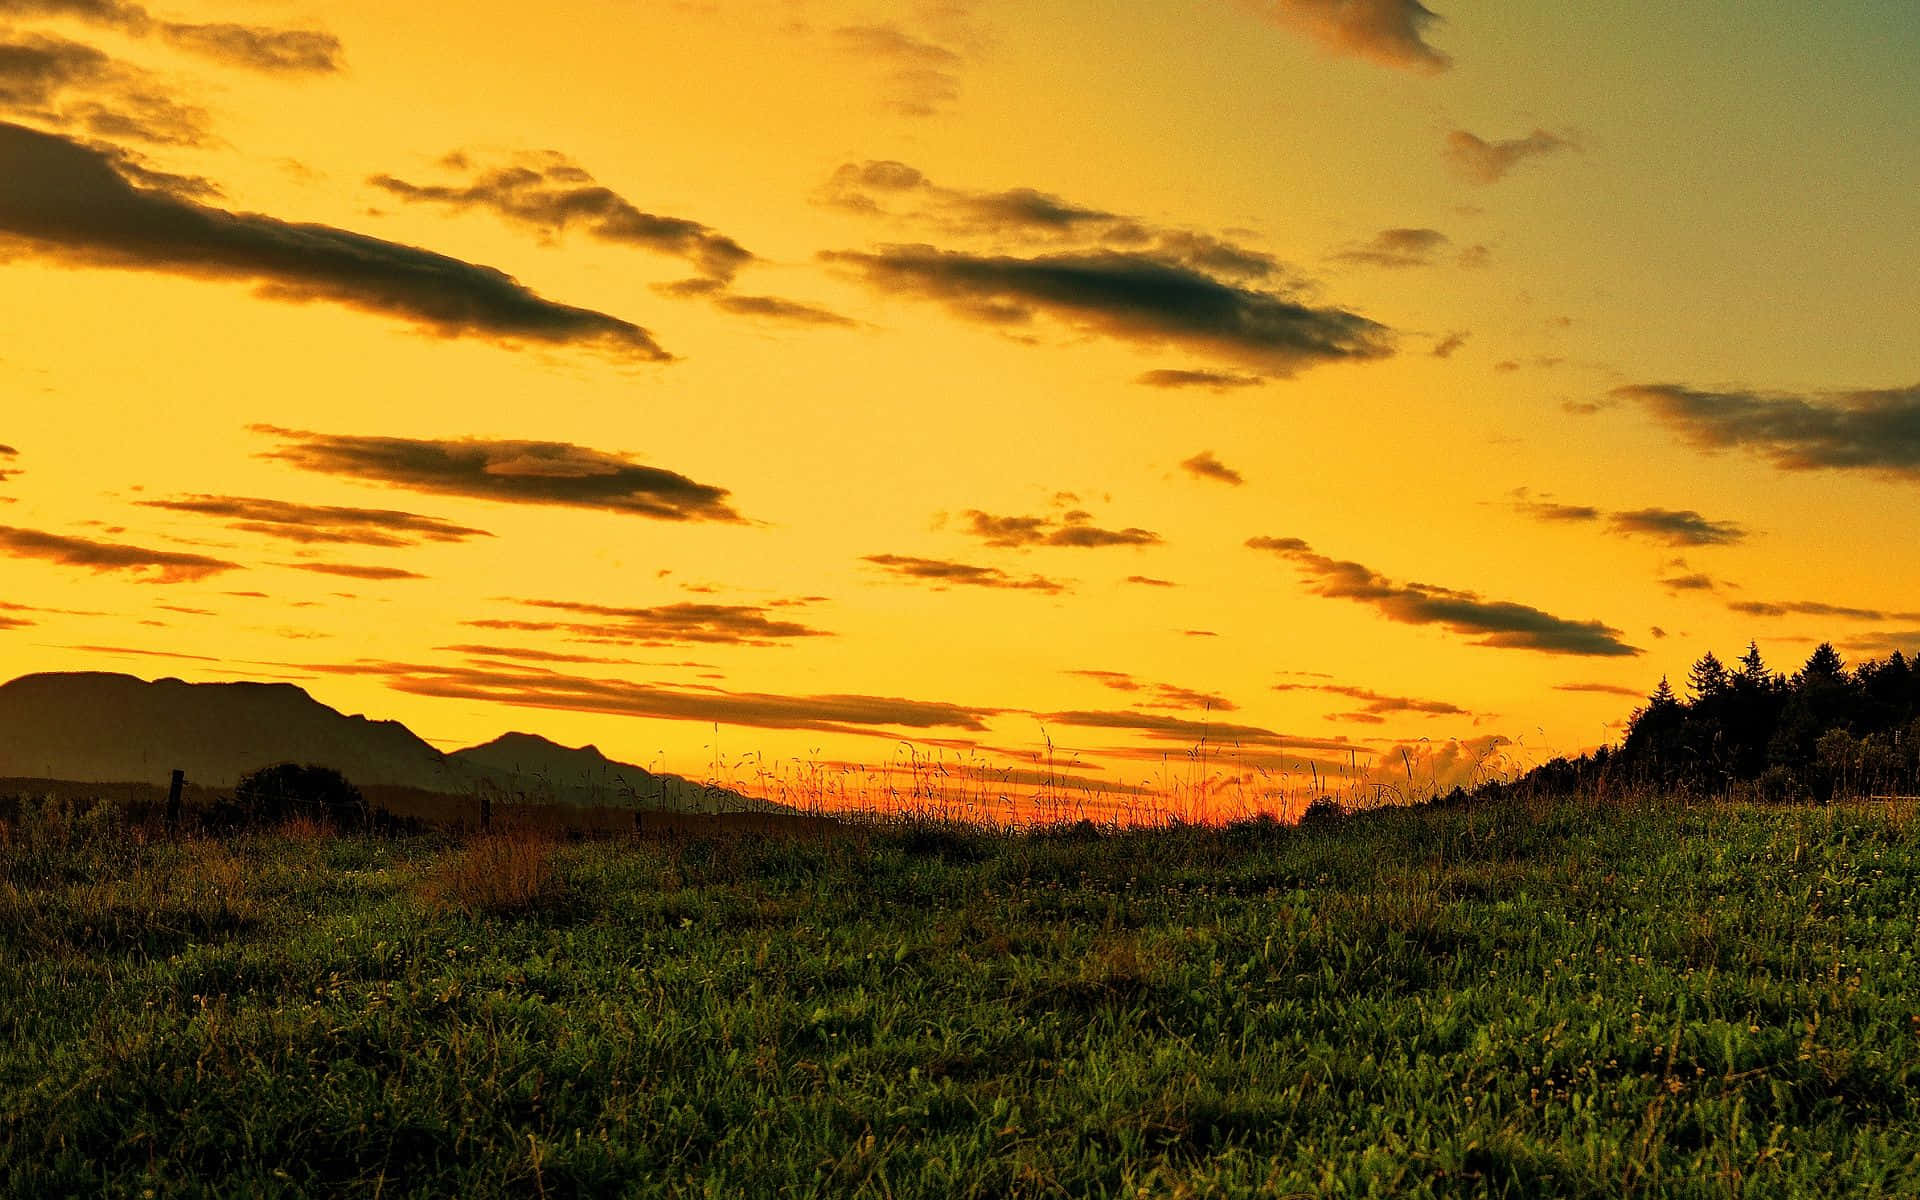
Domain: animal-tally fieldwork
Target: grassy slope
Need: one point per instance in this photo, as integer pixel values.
(1574, 1000)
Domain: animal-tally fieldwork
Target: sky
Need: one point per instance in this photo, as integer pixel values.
(1171, 391)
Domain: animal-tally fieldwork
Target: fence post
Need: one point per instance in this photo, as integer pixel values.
(173, 801)
(486, 809)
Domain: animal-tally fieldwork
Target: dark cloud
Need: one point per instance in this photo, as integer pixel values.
(1150, 581)
(1816, 608)
(856, 714)
(1389, 32)
(1378, 704)
(71, 204)
(549, 193)
(1397, 248)
(1695, 582)
(894, 189)
(354, 571)
(558, 473)
(8, 453)
(52, 81)
(1676, 527)
(942, 572)
(255, 46)
(1601, 689)
(1445, 347)
(1873, 431)
(1495, 623)
(1075, 529)
(156, 566)
(662, 625)
(528, 654)
(1190, 732)
(922, 77)
(310, 523)
(1205, 466)
(775, 308)
(1553, 510)
(1134, 298)
(1216, 380)
(278, 51)
(1488, 162)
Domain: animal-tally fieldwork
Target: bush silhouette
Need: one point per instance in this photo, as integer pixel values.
(289, 791)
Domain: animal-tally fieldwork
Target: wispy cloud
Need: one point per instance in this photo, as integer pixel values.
(355, 571)
(1670, 526)
(551, 194)
(833, 713)
(1397, 248)
(1205, 466)
(257, 47)
(52, 81)
(1496, 623)
(318, 523)
(1487, 162)
(1874, 431)
(942, 572)
(72, 204)
(1215, 380)
(1189, 732)
(1158, 695)
(153, 566)
(921, 77)
(660, 625)
(519, 472)
(1389, 32)
(1375, 703)
(1072, 529)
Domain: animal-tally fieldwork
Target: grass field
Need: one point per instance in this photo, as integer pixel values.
(1565, 999)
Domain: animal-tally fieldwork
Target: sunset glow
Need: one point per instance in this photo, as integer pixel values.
(1222, 390)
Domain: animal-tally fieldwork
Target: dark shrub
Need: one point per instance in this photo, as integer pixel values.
(1324, 810)
(288, 791)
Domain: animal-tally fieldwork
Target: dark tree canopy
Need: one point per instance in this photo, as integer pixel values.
(288, 790)
(1826, 730)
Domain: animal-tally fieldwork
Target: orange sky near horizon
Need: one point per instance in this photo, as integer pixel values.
(804, 380)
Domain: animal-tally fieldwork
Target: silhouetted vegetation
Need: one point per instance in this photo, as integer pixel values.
(289, 791)
(1751, 732)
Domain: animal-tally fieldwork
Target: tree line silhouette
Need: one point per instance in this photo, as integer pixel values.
(1747, 730)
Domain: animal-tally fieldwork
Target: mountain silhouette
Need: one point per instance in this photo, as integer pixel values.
(539, 764)
(100, 727)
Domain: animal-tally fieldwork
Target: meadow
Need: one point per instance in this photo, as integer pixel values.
(1520, 998)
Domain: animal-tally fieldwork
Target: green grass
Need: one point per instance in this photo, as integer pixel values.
(1564, 1000)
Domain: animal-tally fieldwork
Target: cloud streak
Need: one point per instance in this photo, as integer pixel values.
(1138, 299)
(71, 204)
(1496, 623)
(154, 566)
(551, 194)
(661, 625)
(1670, 526)
(320, 524)
(942, 573)
(257, 47)
(1872, 431)
(1074, 529)
(517, 472)
(832, 713)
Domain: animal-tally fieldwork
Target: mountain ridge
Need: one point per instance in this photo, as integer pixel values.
(108, 727)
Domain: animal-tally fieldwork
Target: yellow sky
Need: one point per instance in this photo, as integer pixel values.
(1518, 322)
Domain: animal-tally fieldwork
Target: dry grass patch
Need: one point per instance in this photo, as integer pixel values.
(493, 873)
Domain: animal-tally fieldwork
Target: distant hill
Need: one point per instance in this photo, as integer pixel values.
(586, 775)
(99, 727)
